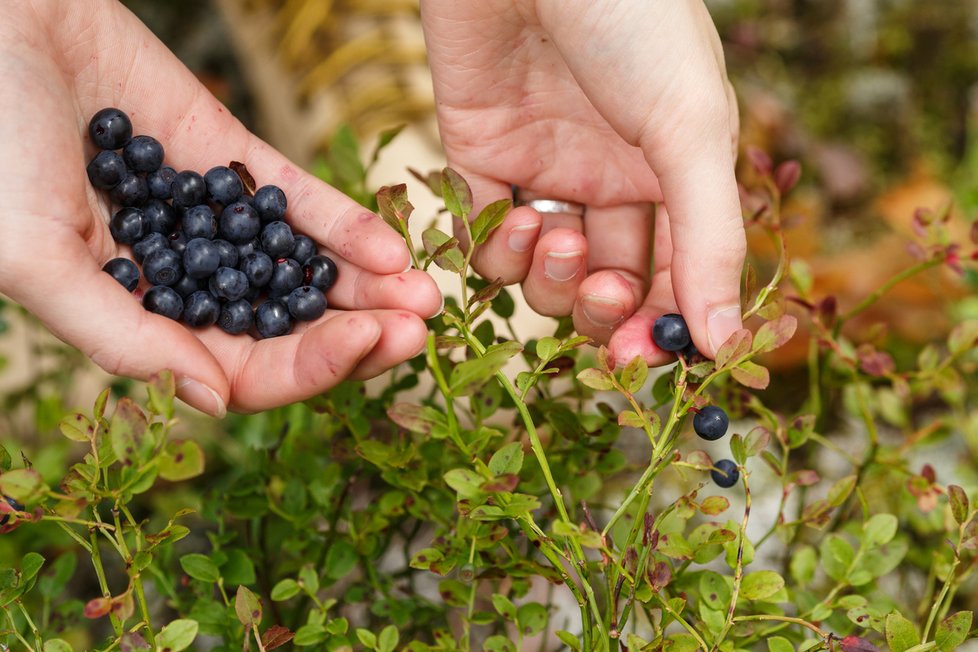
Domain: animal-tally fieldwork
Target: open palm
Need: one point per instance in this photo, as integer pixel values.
(62, 62)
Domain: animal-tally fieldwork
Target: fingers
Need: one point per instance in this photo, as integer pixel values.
(316, 356)
(359, 289)
(619, 240)
(89, 309)
(198, 132)
(559, 265)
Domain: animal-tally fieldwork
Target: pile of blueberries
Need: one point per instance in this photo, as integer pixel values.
(670, 333)
(211, 252)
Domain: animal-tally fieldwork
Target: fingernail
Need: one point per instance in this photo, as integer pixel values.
(440, 308)
(521, 238)
(202, 397)
(560, 266)
(603, 311)
(721, 323)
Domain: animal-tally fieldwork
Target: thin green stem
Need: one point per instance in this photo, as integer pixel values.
(453, 427)
(784, 619)
(30, 623)
(102, 582)
(16, 632)
(134, 576)
(894, 280)
(739, 568)
(679, 619)
(935, 609)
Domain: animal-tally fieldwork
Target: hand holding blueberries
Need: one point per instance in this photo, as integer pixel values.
(63, 63)
(615, 106)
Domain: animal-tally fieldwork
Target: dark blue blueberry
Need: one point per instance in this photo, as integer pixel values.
(236, 317)
(127, 226)
(239, 223)
(270, 203)
(201, 258)
(670, 332)
(287, 275)
(159, 182)
(188, 189)
(164, 301)
(106, 170)
(711, 423)
(163, 267)
(258, 267)
(110, 129)
(223, 185)
(228, 253)
(320, 272)
(143, 154)
(124, 271)
(691, 354)
(306, 303)
(159, 217)
(247, 199)
(199, 222)
(178, 241)
(131, 191)
(252, 295)
(248, 247)
(305, 248)
(187, 285)
(277, 240)
(272, 319)
(201, 309)
(152, 242)
(228, 283)
(725, 474)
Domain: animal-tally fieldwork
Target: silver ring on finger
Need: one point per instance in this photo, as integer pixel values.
(547, 205)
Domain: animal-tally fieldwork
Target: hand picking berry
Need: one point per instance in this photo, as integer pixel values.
(711, 423)
(670, 332)
(210, 251)
(725, 473)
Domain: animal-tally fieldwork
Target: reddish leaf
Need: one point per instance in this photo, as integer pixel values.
(502, 483)
(276, 636)
(738, 344)
(98, 607)
(873, 362)
(856, 644)
(774, 334)
(751, 374)
(132, 641)
(787, 175)
(959, 503)
(393, 206)
(759, 159)
(660, 576)
(247, 180)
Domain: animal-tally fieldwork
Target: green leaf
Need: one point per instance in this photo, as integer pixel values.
(181, 460)
(30, 566)
(840, 490)
(443, 249)
(498, 644)
(388, 639)
(470, 375)
(57, 645)
(760, 585)
(900, 633)
(384, 139)
(507, 460)
(779, 644)
(285, 589)
(959, 503)
(368, 638)
(200, 567)
(774, 334)
(634, 374)
(802, 566)
(569, 640)
(423, 420)
(247, 606)
(456, 193)
(489, 219)
(531, 618)
(953, 631)
(340, 560)
(238, 569)
(595, 379)
(504, 606)
(467, 483)
(311, 634)
(161, 389)
(5, 461)
(750, 374)
(178, 635)
(24, 485)
(309, 578)
(77, 427)
(547, 347)
(736, 346)
(879, 529)
(837, 556)
(128, 432)
(737, 449)
(714, 590)
(963, 337)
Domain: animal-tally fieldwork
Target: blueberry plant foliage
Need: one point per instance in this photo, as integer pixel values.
(499, 494)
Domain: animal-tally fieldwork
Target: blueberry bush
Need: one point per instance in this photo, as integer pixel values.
(501, 493)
